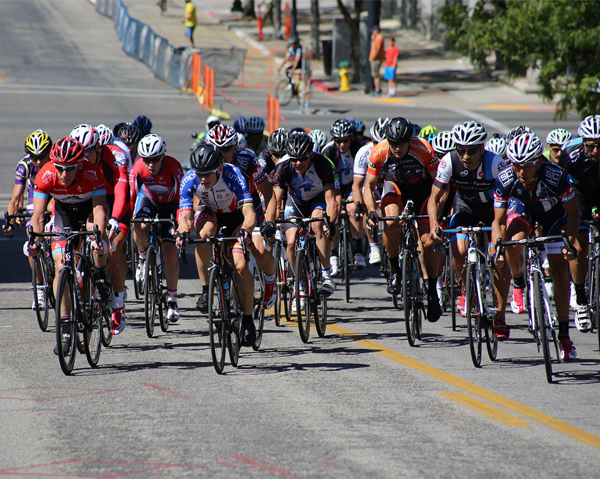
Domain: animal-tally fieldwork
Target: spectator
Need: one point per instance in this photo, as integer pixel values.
(391, 62)
(376, 57)
(190, 21)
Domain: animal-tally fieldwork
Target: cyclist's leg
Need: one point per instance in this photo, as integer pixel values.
(323, 242)
(144, 208)
(392, 205)
(293, 208)
(205, 224)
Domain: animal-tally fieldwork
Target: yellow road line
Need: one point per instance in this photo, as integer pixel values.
(1, 79)
(487, 410)
(526, 411)
(509, 107)
(392, 100)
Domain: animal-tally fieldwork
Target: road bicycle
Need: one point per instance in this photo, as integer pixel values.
(414, 293)
(542, 322)
(309, 302)
(287, 89)
(594, 274)
(480, 300)
(346, 258)
(284, 280)
(155, 297)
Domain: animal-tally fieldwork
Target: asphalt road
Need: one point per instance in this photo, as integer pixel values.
(358, 403)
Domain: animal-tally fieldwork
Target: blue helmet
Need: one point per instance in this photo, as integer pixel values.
(143, 124)
(239, 124)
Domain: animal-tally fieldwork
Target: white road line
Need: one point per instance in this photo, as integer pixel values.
(486, 120)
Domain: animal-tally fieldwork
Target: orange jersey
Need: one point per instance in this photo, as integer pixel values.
(413, 168)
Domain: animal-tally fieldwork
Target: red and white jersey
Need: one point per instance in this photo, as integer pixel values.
(114, 166)
(89, 182)
(163, 187)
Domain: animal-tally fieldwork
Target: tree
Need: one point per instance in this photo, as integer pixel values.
(353, 23)
(559, 38)
(315, 36)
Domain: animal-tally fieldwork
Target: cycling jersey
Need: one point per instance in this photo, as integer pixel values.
(229, 194)
(344, 162)
(320, 174)
(163, 188)
(473, 187)
(118, 143)
(248, 164)
(25, 176)
(584, 172)
(361, 160)
(266, 162)
(113, 163)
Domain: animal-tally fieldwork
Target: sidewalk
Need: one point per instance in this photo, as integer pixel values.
(428, 76)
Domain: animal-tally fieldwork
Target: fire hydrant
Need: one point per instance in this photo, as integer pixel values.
(344, 76)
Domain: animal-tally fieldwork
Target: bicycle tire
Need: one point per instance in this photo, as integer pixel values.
(541, 324)
(346, 257)
(288, 297)
(319, 307)
(234, 335)
(473, 315)
(106, 329)
(218, 313)
(138, 288)
(453, 288)
(67, 351)
(409, 300)
(596, 318)
(162, 296)
(149, 292)
(41, 314)
(284, 93)
(92, 336)
(303, 317)
(279, 284)
(491, 341)
(258, 311)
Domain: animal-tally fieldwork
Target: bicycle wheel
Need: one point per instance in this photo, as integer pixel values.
(92, 336)
(258, 311)
(138, 287)
(284, 92)
(105, 330)
(303, 291)
(234, 335)
(491, 341)
(412, 311)
(594, 278)
(346, 258)
(454, 290)
(319, 307)
(217, 315)
(473, 315)
(66, 321)
(162, 306)
(279, 284)
(41, 311)
(542, 324)
(150, 301)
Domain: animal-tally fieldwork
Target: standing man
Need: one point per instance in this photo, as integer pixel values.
(391, 62)
(376, 57)
(190, 21)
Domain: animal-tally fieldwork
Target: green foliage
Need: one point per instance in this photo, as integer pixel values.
(560, 38)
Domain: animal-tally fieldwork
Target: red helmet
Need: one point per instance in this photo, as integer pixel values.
(67, 150)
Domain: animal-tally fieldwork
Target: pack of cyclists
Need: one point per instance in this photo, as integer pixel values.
(241, 181)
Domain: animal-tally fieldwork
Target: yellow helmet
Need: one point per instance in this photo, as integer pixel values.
(38, 143)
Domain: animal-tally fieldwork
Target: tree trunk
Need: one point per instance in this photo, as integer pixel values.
(277, 17)
(315, 36)
(249, 9)
(354, 41)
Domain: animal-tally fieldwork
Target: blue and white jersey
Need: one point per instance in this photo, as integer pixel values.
(229, 194)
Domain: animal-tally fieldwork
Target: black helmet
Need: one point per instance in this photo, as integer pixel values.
(516, 131)
(299, 144)
(206, 158)
(341, 129)
(143, 124)
(399, 130)
(129, 133)
(116, 128)
(277, 141)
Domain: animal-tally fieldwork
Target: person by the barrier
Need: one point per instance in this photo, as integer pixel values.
(190, 21)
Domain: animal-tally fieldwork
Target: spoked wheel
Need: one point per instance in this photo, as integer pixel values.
(346, 259)
(410, 300)
(280, 293)
(42, 311)
(385, 271)
(66, 321)
(473, 316)
(218, 314)
(258, 311)
(284, 92)
(151, 301)
(541, 325)
(302, 289)
(134, 255)
(454, 291)
(162, 312)
(106, 328)
(92, 336)
(320, 310)
(234, 343)
(491, 341)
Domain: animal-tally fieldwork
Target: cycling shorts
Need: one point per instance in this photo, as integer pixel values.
(394, 194)
(146, 208)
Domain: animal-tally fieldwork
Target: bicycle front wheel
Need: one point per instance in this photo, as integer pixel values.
(217, 315)
(106, 327)
(284, 92)
(473, 315)
(412, 312)
(491, 341)
(92, 336)
(594, 275)
(303, 294)
(66, 321)
(42, 311)
(150, 300)
(279, 284)
(346, 258)
(542, 324)
(258, 311)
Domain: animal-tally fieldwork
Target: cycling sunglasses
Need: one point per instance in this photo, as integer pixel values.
(152, 159)
(300, 159)
(342, 140)
(467, 151)
(62, 169)
(206, 174)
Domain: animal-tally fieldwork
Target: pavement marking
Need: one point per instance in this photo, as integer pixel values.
(509, 107)
(501, 127)
(392, 100)
(251, 462)
(487, 410)
(1, 79)
(539, 417)
(164, 390)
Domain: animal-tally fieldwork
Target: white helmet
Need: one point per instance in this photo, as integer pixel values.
(105, 135)
(443, 142)
(378, 130)
(469, 133)
(222, 136)
(241, 142)
(497, 145)
(590, 127)
(319, 137)
(525, 149)
(152, 146)
(86, 134)
(211, 121)
(560, 136)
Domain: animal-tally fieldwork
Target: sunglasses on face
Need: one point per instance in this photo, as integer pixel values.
(206, 174)
(592, 146)
(397, 144)
(63, 169)
(467, 151)
(227, 148)
(340, 141)
(154, 159)
(555, 149)
(300, 159)
(38, 158)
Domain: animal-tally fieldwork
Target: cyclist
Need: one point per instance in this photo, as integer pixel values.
(225, 139)
(224, 205)
(361, 162)
(312, 185)
(107, 137)
(113, 163)
(410, 165)
(143, 123)
(239, 125)
(154, 182)
(547, 198)
(293, 56)
(255, 137)
(474, 171)
(276, 145)
(341, 150)
(320, 139)
(358, 134)
(211, 122)
(497, 145)
(428, 133)
(37, 154)
(130, 135)
(580, 157)
(556, 139)
(78, 189)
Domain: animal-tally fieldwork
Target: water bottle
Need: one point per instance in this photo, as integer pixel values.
(226, 290)
(472, 255)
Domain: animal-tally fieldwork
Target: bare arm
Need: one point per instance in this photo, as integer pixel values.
(436, 202)
(266, 189)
